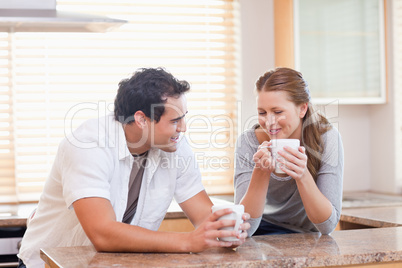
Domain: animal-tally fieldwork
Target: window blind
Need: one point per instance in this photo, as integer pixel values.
(397, 83)
(51, 82)
(8, 187)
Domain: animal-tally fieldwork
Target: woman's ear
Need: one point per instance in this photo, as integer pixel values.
(140, 119)
(303, 109)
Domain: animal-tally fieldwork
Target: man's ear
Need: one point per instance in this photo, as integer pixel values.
(303, 109)
(140, 119)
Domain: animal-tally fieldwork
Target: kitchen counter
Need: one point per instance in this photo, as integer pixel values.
(342, 248)
(378, 208)
(374, 216)
(368, 210)
(370, 199)
(346, 247)
(15, 215)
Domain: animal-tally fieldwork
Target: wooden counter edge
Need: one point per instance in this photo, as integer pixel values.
(13, 222)
(374, 223)
(49, 262)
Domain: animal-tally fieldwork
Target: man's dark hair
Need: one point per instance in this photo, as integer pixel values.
(147, 90)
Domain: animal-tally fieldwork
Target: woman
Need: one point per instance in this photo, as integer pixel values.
(308, 197)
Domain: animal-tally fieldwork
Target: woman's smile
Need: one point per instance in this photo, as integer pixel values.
(274, 131)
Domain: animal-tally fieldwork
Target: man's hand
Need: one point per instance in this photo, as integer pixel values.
(207, 234)
(97, 218)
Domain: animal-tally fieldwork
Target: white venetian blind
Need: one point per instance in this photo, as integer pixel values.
(51, 82)
(397, 60)
(7, 163)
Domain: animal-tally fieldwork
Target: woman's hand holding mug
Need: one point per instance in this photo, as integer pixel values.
(263, 158)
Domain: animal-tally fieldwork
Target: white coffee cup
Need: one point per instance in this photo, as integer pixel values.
(277, 145)
(237, 214)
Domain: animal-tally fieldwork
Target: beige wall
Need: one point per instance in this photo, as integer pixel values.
(367, 130)
(257, 50)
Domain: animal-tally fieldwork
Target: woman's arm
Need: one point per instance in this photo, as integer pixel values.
(321, 199)
(240, 191)
(255, 197)
(330, 178)
(252, 173)
(317, 206)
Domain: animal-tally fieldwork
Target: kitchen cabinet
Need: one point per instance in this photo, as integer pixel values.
(176, 225)
(338, 45)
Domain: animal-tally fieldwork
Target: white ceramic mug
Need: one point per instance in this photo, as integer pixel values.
(237, 214)
(277, 145)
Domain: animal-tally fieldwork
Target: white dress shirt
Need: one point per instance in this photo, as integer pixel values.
(94, 161)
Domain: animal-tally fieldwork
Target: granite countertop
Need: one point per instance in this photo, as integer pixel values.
(346, 247)
(374, 216)
(372, 209)
(351, 247)
(369, 200)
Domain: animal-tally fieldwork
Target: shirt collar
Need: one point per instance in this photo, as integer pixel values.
(120, 138)
(122, 142)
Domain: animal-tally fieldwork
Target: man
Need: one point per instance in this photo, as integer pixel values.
(114, 178)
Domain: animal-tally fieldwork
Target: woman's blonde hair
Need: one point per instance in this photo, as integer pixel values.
(314, 125)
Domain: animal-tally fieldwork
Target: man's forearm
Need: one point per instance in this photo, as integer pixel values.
(121, 237)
